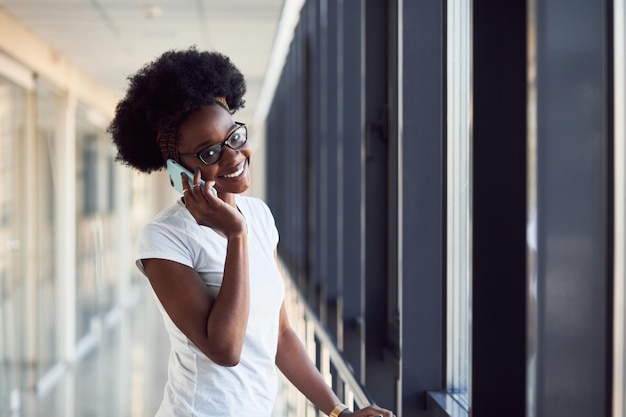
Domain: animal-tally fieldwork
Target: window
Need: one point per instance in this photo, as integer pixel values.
(458, 221)
(13, 118)
(619, 322)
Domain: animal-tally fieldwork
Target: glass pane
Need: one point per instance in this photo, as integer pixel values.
(139, 206)
(12, 305)
(619, 321)
(47, 282)
(95, 228)
(96, 222)
(458, 198)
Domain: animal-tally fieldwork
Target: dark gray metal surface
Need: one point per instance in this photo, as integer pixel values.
(422, 191)
(352, 27)
(571, 287)
(380, 364)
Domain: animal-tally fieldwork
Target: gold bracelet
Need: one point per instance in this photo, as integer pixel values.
(339, 408)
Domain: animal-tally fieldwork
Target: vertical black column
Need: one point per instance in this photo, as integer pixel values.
(316, 263)
(333, 189)
(380, 375)
(499, 208)
(353, 182)
(296, 102)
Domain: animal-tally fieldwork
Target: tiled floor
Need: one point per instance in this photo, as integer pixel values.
(122, 376)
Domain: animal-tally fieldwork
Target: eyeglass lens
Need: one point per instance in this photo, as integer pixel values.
(236, 140)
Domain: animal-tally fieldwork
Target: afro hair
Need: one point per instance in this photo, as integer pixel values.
(172, 86)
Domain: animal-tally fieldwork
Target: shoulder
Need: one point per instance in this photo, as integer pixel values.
(174, 219)
(255, 206)
(174, 235)
(260, 218)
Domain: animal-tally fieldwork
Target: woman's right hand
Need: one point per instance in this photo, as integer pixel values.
(210, 210)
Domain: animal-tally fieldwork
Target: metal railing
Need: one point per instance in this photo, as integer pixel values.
(322, 349)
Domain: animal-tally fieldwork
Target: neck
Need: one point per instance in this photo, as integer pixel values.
(227, 198)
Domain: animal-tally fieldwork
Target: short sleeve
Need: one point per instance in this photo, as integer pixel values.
(270, 223)
(157, 241)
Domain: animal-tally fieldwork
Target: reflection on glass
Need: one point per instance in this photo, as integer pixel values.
(12, 306)
(95, 240)
(458, 198)
(619, 322)
(48, 343)
(124, 376)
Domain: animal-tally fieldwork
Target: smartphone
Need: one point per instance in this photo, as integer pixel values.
(175, 171)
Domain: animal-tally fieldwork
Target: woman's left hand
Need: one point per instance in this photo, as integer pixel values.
(369, 411)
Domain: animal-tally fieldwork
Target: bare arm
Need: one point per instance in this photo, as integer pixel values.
(217, 326)
(294, 362)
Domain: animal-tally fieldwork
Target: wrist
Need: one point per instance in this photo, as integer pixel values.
(337, 410)
(240, 235)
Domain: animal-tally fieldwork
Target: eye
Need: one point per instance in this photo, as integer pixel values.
(210, 152)
(237, 138)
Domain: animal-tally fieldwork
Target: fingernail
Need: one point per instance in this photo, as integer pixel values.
(196, 170)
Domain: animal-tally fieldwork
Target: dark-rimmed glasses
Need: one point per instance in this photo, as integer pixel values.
(235, 140)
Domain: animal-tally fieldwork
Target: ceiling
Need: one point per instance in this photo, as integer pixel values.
(109, 40)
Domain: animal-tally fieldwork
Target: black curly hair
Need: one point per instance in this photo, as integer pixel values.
(169, 88)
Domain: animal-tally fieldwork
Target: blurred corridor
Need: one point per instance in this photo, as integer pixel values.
(123, 375)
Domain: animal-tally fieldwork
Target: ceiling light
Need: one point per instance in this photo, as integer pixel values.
(152, 11)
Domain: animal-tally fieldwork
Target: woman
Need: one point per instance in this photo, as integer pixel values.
(211, 258)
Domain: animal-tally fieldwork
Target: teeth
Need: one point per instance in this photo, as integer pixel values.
(235, 174)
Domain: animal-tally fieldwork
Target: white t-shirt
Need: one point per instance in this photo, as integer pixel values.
(196, 385)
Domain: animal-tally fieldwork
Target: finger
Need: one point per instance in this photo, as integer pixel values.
(196, 189)
(185, 182)
(197, 176)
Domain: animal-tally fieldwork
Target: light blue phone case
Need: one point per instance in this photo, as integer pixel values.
(175, 170)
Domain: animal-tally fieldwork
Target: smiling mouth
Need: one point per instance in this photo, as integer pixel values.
(235, 174)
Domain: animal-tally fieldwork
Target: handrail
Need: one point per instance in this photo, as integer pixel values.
(355, 394)
(343, 368)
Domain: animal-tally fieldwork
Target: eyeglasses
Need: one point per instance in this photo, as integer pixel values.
(235, 140)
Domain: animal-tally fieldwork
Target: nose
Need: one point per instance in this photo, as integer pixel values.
(229, 156)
